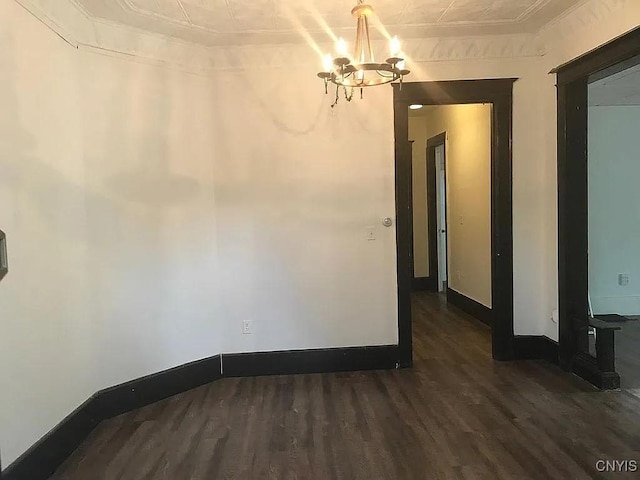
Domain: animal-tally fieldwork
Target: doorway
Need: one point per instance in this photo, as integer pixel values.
(437, 210)
(576, 209)
(453, 177)
(498, 94)
(437, 182)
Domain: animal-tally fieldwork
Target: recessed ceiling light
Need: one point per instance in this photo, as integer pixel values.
(416, 106)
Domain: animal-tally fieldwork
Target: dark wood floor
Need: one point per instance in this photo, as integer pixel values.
(628, 355)
(456, 415)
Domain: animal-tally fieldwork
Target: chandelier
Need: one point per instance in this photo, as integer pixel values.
(361, 70)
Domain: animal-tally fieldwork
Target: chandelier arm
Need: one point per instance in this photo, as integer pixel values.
(335, 102)
(388, 73)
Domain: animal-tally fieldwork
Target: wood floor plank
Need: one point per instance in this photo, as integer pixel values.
(456, 415)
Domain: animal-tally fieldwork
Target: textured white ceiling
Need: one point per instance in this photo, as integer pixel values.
(220, 22)
(622, 88)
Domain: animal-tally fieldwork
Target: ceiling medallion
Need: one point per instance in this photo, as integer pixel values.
(361, 70)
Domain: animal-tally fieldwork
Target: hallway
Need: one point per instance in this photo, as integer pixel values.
(456, 415)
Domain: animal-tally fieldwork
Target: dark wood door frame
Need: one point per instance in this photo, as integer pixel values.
(432, 204)
(572, 90)
(498, 92)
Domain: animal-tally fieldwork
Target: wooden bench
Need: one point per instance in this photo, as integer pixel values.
(606, 326)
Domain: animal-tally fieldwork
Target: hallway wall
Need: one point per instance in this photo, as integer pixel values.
(614, 223)
(418, 133)
(468, 167)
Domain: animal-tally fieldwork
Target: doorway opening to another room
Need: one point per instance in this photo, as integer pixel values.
(598, 208)
(453, 206)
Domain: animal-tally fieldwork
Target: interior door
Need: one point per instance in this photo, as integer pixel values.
(441, 199)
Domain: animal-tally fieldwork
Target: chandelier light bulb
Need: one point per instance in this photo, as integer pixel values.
(394, 47)
(341, 47)
(401, 64)
(327, 63)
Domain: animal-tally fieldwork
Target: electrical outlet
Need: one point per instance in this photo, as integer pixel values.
(458, 275)
(246, 327)
(461, 219)
(623, 279)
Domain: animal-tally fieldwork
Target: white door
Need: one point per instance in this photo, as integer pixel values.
(441, 199)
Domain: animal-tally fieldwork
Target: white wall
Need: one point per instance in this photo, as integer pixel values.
(418, 133)
(106, 174)
(297, 184)
(614, 209)
(176, 206)
(528, 210)
(468, 171)
(593, 23)
(149, 212)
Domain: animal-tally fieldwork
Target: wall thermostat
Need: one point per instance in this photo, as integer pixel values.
(4, 268)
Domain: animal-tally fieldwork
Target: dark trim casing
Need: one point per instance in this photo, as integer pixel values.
(469, 306)
(498, 92)
(420, 284)
(41, 460)
(310, 361)
(432, 203)
(4, 267)
(618, 50)
(572, 89)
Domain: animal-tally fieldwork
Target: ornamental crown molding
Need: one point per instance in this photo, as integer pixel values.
(84, 32)
(586, 26)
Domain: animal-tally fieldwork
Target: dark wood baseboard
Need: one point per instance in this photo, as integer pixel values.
(535, 347)
(46, 455)
(310, 361)
(420, 284)
(470, 306)
(41, 460)
(157, 386)
(586, 366)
